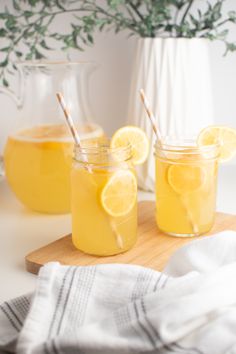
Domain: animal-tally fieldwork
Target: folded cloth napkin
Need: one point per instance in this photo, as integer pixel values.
(115, 309)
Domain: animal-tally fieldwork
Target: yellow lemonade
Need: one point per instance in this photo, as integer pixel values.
(186, 179)
(104, 202)
(38, 163)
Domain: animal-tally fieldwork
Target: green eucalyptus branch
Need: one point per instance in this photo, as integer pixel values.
(27, 34)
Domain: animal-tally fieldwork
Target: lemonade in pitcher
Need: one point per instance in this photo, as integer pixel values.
(104, 192)
(38, 163)
(38, 152)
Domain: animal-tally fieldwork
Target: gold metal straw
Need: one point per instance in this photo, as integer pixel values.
(159, 138)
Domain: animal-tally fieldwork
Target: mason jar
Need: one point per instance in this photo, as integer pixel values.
(186, 181)
(103, 199)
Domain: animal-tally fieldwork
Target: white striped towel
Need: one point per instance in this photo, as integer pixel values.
(115, 309)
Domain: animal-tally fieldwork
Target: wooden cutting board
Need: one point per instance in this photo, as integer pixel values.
(152, 249)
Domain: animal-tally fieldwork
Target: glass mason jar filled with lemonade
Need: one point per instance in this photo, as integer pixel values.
(38, 152)
(186, 179)
(104, 199)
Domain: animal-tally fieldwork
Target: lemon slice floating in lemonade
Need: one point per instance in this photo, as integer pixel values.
(120, 193)
(185, 178)
(138, 140)
(225, 136)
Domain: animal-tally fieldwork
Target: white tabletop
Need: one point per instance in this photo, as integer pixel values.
(22, 231)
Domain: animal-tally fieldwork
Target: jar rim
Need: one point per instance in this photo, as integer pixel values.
(101, 148)
(185, 145)
(56, 63)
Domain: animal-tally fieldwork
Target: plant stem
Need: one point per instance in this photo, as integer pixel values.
(150, 32)
(186, 11)
(131, 14)
(100, 10)
(222, 22)
(136, 11)
(207, 31)
(175, 20)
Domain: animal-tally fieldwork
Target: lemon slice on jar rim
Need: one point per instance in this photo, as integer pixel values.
(224, 136)
(136, 138)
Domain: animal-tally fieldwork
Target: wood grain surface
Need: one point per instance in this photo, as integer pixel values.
(152, 249)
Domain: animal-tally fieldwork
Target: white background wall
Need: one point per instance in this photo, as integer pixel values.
(110, 84)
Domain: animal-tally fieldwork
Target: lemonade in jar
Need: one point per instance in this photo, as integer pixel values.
(186, 178)
(104, 192)
(104, 199)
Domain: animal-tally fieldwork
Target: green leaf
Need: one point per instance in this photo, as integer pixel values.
(16, 5)
(4, 63)
(28, 14)
(223, 34)
(10, 23)
(101, 27)
(38, 55)
(5, 82)
(232, 16)
(231, 47)
(69, 42)
(194, 21)
(28, 34)
(3, 16)
(33, 2)
(217, 7)
(18, 54)
(115, 3)
(179, 4)
(40, 29)
(57, 2)
(90, 38)
(44, 45)
(5, 49)
(88, 21)
(3, 32)
(29, 56)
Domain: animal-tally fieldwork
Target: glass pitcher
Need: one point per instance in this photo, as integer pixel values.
(38, 152)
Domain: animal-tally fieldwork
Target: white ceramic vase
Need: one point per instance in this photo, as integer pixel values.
(175, 75)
